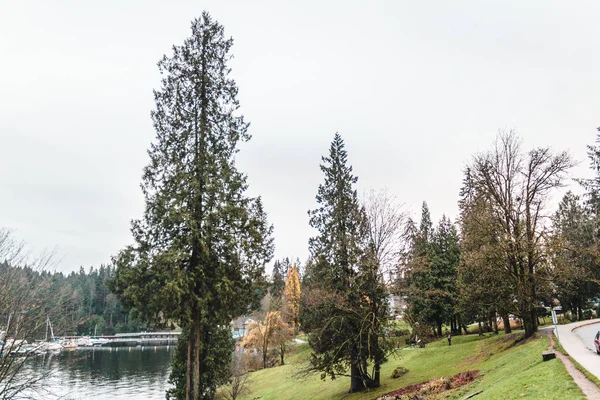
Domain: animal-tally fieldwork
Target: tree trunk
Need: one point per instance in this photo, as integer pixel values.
(495, 323)
(465, 329)
(480, 327)
(534, 319)
(529, 322)
(439, 329)
(193, 361)
(506, 321)
(356, 382)
(376, 381)
(282, 352)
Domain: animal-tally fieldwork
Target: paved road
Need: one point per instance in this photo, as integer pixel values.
(586, 334)
(577, 339)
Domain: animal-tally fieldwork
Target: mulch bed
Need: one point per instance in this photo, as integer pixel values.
(433, 386)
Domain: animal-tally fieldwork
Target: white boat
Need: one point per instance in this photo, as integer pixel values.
(99, 341)
(46, 347)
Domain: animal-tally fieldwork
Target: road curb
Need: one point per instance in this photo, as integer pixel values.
(590, 322)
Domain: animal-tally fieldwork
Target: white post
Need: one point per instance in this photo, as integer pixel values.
(555, 321)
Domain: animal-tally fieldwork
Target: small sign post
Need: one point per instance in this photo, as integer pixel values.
(555, 321)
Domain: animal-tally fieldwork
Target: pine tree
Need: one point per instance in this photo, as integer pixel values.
(433, 261)
(278, 282)
(574, 254)
(444, 263)
(202, 243)
(285, 267)
(342, 312)
(339, 220)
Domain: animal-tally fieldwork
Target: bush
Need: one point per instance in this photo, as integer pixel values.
(399, 372)
(401, 332)
(253, 361)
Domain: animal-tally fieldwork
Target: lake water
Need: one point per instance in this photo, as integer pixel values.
(104, 373)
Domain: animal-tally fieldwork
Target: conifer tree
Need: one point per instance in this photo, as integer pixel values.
(277, 280)
(433, 263)
(344, 314)
(575, 254)
(202, 243)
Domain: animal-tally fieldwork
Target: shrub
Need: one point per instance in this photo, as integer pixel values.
(399, 372)
(397, 332)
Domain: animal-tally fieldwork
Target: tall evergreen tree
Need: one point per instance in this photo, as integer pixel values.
(434, 258)
(344, 316)
(592, 185)
(202, 243)
(339, 220)
(574, 254)
(444, 263)
(277, 280)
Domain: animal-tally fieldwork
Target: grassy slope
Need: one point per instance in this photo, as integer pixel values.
(508, 370)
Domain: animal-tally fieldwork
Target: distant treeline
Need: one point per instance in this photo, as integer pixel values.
(76, 303)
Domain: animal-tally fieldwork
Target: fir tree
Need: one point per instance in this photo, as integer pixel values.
(575, 254)
(344, 309)
(434, 261)
(202, 244)
(277, 280)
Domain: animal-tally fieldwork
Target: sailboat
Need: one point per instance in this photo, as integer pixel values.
(50, 346)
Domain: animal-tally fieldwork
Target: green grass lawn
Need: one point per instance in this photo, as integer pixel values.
(509, 370)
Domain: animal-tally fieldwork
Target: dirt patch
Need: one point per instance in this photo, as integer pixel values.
(431, 387)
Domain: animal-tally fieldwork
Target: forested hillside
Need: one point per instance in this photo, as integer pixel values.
(76, 303)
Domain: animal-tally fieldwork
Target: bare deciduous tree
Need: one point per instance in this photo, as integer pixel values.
(518, 185)
(23, 313)
(238, 380)
(386, 229)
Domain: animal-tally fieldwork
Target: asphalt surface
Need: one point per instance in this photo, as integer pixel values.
(578, 340)
(586, 334)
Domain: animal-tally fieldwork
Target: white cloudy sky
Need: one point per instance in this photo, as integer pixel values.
(414, 87)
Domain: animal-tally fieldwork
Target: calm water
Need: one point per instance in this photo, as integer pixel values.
(104, 373)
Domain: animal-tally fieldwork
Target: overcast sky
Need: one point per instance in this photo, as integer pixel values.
(414, 87)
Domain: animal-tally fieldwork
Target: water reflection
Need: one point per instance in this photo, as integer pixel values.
(117, 373)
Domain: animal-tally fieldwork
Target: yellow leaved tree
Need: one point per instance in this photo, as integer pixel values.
(273, 332)
(291, 305)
